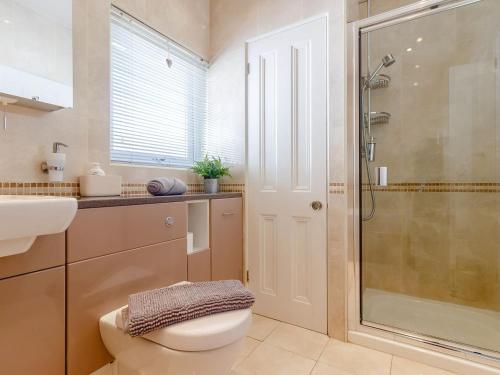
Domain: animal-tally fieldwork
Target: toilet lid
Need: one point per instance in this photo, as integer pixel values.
(206, 333)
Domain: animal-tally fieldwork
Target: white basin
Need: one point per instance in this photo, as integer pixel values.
(24, 217)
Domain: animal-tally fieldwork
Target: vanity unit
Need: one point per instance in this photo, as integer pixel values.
(51, 297)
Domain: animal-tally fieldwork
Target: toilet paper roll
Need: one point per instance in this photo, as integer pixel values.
(190, 242)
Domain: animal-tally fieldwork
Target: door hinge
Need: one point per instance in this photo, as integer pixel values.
(248, 68)
(248, 276)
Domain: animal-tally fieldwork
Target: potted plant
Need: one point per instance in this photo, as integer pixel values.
(211, 169)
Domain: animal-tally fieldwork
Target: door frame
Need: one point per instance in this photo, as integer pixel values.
(286, 28)
(433, 351)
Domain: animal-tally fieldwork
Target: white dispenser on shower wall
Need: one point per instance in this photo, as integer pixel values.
(381, 176)
(56, 160)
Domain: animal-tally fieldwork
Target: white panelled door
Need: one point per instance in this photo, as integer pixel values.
(287, 174)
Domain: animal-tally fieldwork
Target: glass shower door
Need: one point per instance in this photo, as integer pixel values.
(430, 234)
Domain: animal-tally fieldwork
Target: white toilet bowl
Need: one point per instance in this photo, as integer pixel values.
(205, 346)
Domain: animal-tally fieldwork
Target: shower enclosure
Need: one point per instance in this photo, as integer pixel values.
(428, 241)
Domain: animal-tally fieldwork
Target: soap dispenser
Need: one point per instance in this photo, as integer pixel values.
(54, 165)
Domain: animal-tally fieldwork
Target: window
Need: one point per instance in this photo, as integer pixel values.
(158, 97)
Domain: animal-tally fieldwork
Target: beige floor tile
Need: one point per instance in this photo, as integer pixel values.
(301, 341)
(356, 359)
(249, 347)
(401, 366)
(261, 327)
(323, 369)
(271, 360)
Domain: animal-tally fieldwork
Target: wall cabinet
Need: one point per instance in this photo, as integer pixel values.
(226, 238)
(36, 63)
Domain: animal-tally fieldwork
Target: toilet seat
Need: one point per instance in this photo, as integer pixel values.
(205, 333)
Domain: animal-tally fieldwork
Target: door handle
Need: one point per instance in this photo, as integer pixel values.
(316, 205)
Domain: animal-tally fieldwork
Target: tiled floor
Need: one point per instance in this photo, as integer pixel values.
(275, 348)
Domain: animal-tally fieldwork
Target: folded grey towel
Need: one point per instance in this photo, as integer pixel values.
(166, 186)
(159, 308)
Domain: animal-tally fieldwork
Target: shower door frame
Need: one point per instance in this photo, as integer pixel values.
(392, 339)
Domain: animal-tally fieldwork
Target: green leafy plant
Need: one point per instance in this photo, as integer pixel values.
(210, 168)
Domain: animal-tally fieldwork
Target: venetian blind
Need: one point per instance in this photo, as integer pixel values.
(158, 97)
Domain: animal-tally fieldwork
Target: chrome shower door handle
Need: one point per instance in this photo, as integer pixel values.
(316, 205)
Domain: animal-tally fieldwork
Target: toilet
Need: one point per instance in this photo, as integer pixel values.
(205, 346)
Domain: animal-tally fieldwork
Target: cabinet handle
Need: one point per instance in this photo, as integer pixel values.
(228, 214)
(169, 221)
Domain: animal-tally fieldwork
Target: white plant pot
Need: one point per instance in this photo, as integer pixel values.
(211, 185)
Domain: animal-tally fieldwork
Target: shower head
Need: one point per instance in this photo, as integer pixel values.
(387, 61)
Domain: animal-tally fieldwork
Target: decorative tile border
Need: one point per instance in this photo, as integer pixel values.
(439, 187)
(62, 189)
(336, 188)
(426, 187)
(72, 189)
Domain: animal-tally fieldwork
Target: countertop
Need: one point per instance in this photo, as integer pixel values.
(96, 202)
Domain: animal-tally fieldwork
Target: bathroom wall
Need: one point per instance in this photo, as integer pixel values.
(435, 232)
(85, 128)
(235, 21)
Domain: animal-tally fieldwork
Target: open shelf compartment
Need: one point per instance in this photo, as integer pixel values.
(198, 226)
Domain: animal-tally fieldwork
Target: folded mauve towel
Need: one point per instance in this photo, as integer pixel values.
(166, 186)
(159, 308)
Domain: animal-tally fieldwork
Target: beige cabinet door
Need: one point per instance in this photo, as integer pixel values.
(226, 238)
(100, 285)
(32, 323)
(46, 252)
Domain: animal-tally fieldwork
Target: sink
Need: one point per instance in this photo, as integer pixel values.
(24, 217)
